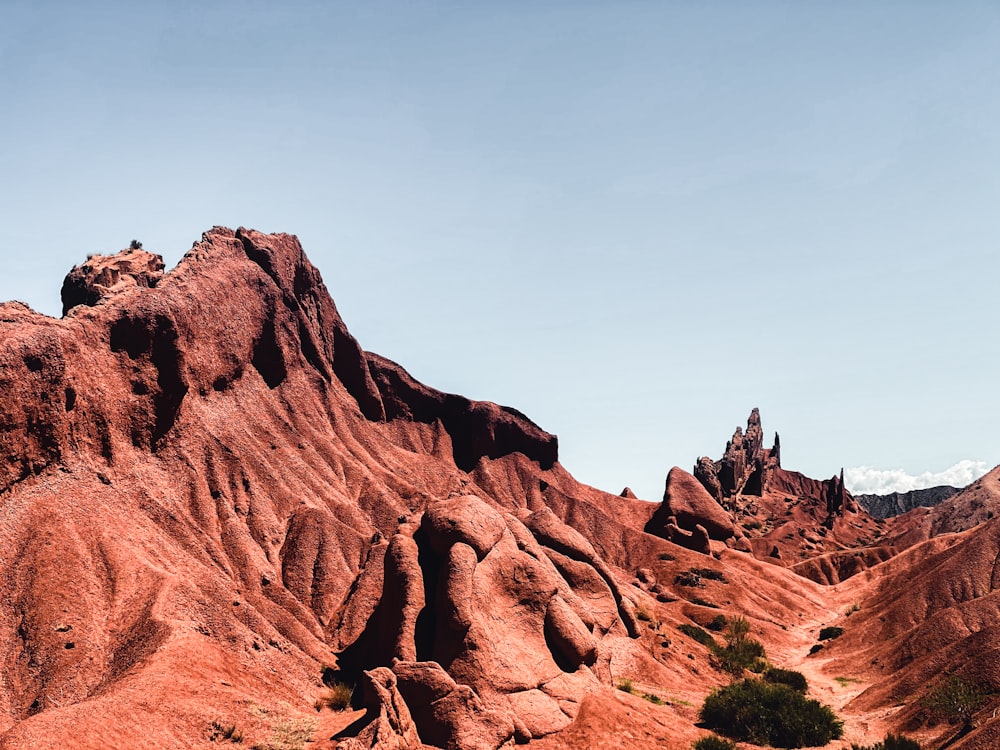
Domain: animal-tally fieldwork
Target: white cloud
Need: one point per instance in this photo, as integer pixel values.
(861, 480)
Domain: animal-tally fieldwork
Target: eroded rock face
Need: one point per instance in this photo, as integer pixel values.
(687, 502)
(745, 467)
(495, 601)
(387, 724)
(478, 429)
(450, 715)
(220, 422)
(706, 473)
(104, 275)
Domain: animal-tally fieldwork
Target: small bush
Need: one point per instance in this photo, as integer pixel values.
(693, 631)
(654, 699)
(688, 578)
(954, 700)
(794, 680)
(737, 629)
(135, 245)
(830, 632)
(625, 685)
(770, 714)
(225, 733)
(891, 742)
(337, 697)
(710, 574)
(739, 655)
(717, 623)
(713, 742)
(291, 734)
(643, 614)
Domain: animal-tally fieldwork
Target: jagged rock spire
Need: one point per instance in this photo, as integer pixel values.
(745, 466)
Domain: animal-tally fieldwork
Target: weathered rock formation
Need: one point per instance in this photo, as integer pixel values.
(104, 275)
(779, 515)
(688, 515)
(518, 610)
(202, 472)
(745, 467)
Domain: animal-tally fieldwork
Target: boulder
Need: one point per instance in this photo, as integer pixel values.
(464, 519)
(387, 724)
(104, 275)
(689, 502)
(449, 715)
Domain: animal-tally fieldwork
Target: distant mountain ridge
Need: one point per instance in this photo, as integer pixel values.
(897, 503)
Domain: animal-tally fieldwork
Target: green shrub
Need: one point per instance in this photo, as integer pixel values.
(739, 655)
(738, 629)
(891, 742)
(693, 631)
(717, 623)
(741, 651)
(626, 685)
(710, 574)
(830, 632)
(794, 680)
(713, 742)
(954, 700)
(688, 578)
(337, 697)
(769, 714)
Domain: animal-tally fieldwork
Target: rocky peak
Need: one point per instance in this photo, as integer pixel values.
(838, 499)
(745, 467)
(103, 275)
(240, 306)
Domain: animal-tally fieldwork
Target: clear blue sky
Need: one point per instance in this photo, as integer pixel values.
(632, 221)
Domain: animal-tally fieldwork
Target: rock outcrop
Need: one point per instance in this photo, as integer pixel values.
(745, 467)
(749, 501)
(687, 505)
(104, 275)
(495, 599)
(204, 467)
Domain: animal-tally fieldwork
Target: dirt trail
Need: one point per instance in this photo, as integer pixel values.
(835, 690)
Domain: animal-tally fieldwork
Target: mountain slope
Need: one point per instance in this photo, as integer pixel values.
(212, 499)
(896, 503)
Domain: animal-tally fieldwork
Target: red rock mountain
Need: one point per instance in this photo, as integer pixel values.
(214, 504)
